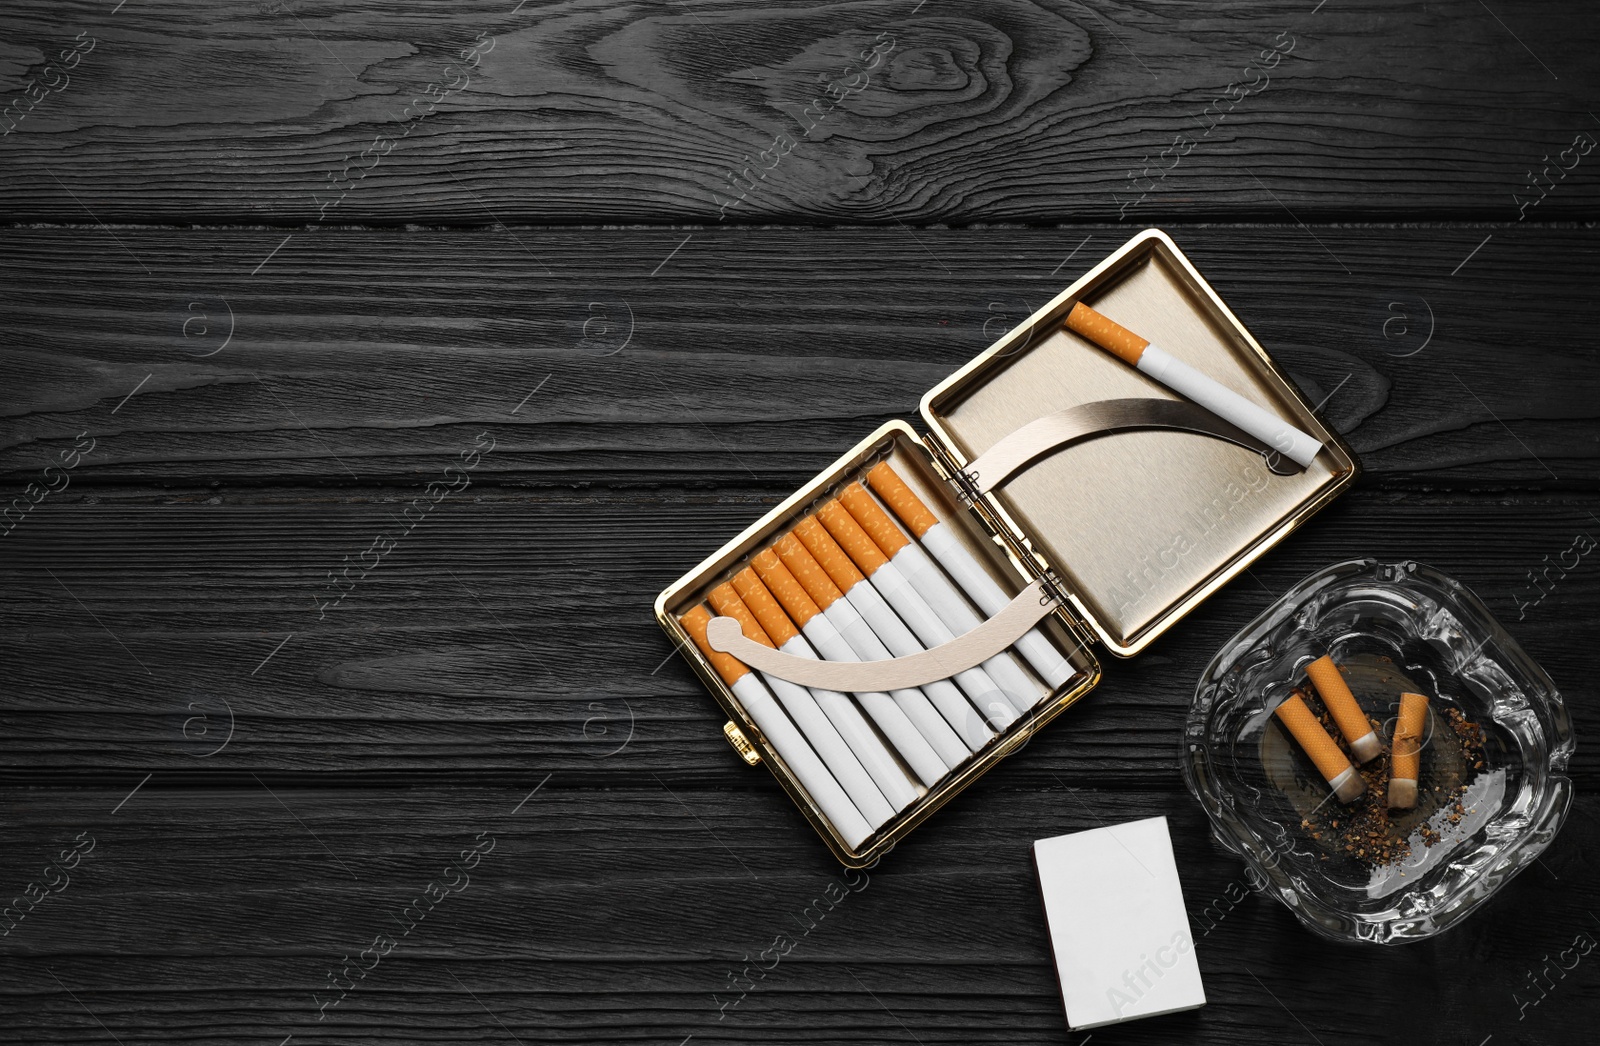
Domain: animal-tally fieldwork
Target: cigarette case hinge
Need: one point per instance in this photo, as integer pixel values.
(1054, 586)
(944, 463)
(1017, 545)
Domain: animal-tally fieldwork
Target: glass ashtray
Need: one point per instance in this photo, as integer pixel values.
(1485, 809)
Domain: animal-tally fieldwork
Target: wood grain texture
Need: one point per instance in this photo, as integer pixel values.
(457, 651)
(279, 301)
(734, 358)
(621, 920)
(1005, 110)
(648, 393)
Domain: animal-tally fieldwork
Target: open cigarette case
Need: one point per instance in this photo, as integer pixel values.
(1104, 506)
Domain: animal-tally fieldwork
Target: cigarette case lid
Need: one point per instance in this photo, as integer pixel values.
(1136, 529)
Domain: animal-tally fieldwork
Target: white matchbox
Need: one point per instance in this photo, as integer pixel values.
(1114, 911)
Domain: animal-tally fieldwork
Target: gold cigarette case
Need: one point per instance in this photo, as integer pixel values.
(1125, 507)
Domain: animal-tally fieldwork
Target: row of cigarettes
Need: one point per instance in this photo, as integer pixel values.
(847, 583)
(1335, 767)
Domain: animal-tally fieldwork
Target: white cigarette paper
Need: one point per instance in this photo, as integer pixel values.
(866, 646)
(795, 597)
(789, 743)
(985, 591)
(963, 568)
(858, 565)
(1222, 401)
(930, 582)
(836, 755)
(933, 609)
(887, 584)
(899, 790)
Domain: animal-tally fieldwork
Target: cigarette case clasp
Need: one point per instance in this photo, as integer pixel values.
(741, 744)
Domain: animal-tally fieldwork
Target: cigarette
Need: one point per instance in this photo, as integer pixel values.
(808, 716)
(1341, 703)
(964, 569)
(889, 603)
(889, 634)
(1406, 761)
(828, 642)
(1323, 750)
(935, 593)
(868, 749)
(784, 737)
(891, 714)
(1183, 379)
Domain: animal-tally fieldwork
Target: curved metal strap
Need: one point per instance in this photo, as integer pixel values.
(1089, 420)
(943, 661)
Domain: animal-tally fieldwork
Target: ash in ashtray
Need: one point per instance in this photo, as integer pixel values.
(1367, 831)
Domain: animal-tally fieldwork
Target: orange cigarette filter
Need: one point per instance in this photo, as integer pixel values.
(807, 571)
(774, 622)
(1107, 333)
(726, 601)
(783, 586)
(730, 668)
(864, 552)
(873, 519)
(827, 552)
(892, 489)
(1323, 750)
(1406, 765)
(1341, 704)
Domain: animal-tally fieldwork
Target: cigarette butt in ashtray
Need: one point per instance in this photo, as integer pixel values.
(936, 592)
(1323, 750)
(1193, 385)
(1405, 763)
(808, 715)
(857, 617)
(906, 624)
(781, 733)
(841, 711)
(782, 567)
(1347, 714)
(963, 568)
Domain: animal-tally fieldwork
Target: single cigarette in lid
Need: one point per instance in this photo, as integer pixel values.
(807, 714)
(842, 712)
(1341, 704)
(963, 568)
(781, 567)
(790, 745)
(1406, 762)
(873, 596)
(1323, 750)
(1108, 334)
(1192, 384)
(935, 592)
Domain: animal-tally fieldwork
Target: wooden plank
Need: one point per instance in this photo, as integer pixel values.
(732, 359)
(214, 916)
(514, 630)
(287, 113)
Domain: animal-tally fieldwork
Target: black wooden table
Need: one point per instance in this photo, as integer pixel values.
(269, 269)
